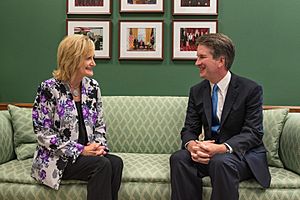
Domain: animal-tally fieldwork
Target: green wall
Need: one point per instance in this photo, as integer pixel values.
(266, 34)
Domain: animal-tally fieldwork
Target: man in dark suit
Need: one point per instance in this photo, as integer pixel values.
(228, 108)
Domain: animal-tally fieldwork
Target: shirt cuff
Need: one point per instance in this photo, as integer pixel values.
(186, 144)
(230, 150)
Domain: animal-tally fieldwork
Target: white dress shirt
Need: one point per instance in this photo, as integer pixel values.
(223, 88)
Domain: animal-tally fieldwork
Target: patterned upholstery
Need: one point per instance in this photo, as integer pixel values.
(145, 176)
(144, 131)
(144, 124)
(273, 124)
(260, 194)
(6, 137)
(290, 143)
(24, 137)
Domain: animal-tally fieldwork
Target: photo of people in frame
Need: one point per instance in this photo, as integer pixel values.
(188, 38)
(141, 1)
(141, 39)
(195, 3)
(95, 34)
(88, 3)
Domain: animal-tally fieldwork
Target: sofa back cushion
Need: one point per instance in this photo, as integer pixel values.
(25, 141)
(144, 124)
(290, 143)
(6, 137)
(273, 121)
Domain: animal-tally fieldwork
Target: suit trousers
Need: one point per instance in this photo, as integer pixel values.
(225, 171)
(103, 174)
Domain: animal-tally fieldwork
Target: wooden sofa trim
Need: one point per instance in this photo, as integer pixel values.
(3, 106)
(292, 109)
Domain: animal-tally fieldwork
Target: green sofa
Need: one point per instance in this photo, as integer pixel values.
(144, 131)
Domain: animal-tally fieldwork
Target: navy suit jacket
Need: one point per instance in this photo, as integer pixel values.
(241, 122)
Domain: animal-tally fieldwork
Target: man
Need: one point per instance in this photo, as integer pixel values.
(229, 110)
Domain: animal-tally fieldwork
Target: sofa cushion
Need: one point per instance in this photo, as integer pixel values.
(144, 124)
(24, 138)
(15, 177)
(6, 137)
(143, 168)
(273, 121)
(290, 143)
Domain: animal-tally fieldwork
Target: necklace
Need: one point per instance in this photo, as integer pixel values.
(75, 91)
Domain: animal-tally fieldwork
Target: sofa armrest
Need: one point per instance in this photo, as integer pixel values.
(6, 137)
(290, 143)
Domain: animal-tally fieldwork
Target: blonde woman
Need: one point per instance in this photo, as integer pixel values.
(67, 118)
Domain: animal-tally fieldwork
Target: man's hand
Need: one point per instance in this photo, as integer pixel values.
(203, 151)
(94, 149)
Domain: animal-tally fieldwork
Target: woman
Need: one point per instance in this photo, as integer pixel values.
(67, 118)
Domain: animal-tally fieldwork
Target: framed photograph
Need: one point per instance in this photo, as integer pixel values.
(195, 7)
(141, 40)
(138, 6)
(99, 31)
(185, 34)
(89, 7)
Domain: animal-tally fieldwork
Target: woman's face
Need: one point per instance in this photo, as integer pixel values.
(87, 65)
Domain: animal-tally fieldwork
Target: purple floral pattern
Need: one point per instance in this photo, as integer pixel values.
(55, 121)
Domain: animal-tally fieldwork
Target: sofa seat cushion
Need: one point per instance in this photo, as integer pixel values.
(280, 179)
(17, 171)
(144, 168)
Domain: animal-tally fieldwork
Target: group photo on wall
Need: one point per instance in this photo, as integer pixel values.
(188, 38)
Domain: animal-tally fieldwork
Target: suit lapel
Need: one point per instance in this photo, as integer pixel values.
(231, 95)
(207, 103)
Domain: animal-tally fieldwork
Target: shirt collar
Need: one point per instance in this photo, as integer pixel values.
(223, 83)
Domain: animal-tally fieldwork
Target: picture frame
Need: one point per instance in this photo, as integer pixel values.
(185, 34)
(98, 30)
(141, 6)
(141, 40)
(195, 7)
(89, 7)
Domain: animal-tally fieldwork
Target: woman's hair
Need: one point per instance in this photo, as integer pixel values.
(71, 52)
(220, 44)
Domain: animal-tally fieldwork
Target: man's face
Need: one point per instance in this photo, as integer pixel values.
(208, 66)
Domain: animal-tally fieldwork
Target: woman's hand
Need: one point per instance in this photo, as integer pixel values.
(93, 149)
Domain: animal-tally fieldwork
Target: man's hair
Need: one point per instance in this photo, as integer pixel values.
(220, 45)
(71, 52)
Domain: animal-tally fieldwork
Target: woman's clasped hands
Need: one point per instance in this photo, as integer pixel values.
(94, 149)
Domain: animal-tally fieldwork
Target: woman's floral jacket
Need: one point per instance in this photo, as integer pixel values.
(55, 121)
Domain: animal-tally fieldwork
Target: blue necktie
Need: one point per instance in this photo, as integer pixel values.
(215, 121)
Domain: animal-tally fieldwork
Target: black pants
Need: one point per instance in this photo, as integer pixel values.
(103, 174)
(225, 171)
